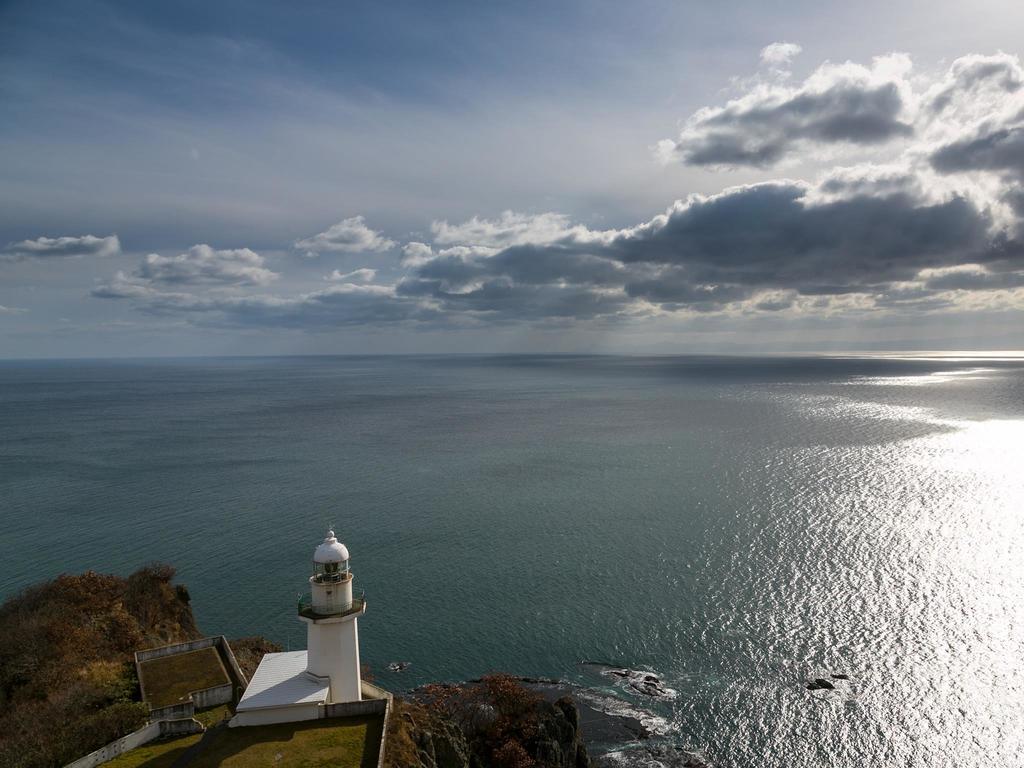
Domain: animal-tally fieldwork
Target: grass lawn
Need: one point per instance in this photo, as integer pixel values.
(170, 679)
(156, 754)
(349, 742)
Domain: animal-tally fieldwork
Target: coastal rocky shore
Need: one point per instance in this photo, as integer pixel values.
(496, 721)
(571, 720)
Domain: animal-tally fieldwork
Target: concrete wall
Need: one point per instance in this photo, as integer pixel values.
(375, 702)
(231, 664)
(144, 735)
(355, 708)
(180, 727)
(204, 699)
(371, 691)
(388, 704)
(135, 739)
(291, 714)
(185, 709)
(170, 650)
(212, 697)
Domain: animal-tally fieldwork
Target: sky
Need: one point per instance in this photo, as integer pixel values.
(199, 178)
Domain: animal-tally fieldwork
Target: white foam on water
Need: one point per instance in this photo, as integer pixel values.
(616, 707)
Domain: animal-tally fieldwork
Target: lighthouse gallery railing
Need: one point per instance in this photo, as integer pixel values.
(305, 607)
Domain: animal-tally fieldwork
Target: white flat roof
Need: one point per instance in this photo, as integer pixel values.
(280, 680)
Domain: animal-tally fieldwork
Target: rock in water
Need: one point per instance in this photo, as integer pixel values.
(820, 684)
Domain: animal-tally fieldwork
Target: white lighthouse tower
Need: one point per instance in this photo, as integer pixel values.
(320, 681)
(331, 616)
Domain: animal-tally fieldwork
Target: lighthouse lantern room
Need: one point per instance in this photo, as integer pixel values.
(331, 582)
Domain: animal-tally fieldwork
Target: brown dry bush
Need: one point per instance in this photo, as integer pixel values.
(512, 755)
(67, 683)
(497, 715)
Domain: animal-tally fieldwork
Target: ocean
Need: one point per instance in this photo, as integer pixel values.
(733, 527)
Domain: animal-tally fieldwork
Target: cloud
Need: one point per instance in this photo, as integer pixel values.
(333, 307)
(976, 117)
(975, 130)
(837, 104)
(862, 238)
(971, 117)
(347, 236)
(510, 228)
(934, 227)
(415, 253)
(363, 275)
(992, 148)
(778, 55)
(973, 83)
(202, 264)
(124, 286)
(11, 310)
(62, 247)
(707, 252)
(971, 277)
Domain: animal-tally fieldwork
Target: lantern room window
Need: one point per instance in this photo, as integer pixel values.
(331, 572)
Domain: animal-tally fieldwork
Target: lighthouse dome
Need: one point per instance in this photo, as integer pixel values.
(330, 551)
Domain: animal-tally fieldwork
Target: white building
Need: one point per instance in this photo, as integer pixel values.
(298, 684)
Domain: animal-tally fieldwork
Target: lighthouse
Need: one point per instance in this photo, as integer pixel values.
(323, 680)
(331, 615)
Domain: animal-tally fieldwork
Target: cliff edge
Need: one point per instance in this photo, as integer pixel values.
(495, 722)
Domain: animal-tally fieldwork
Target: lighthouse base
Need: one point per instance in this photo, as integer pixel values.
(283, 691)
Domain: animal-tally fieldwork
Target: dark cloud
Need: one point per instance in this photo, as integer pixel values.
(998, 149)
(706, 253)
(675, 288)
(769, 235)
(837, 104)
(526, 264)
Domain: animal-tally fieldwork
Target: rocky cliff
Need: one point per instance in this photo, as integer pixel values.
(495, 722)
